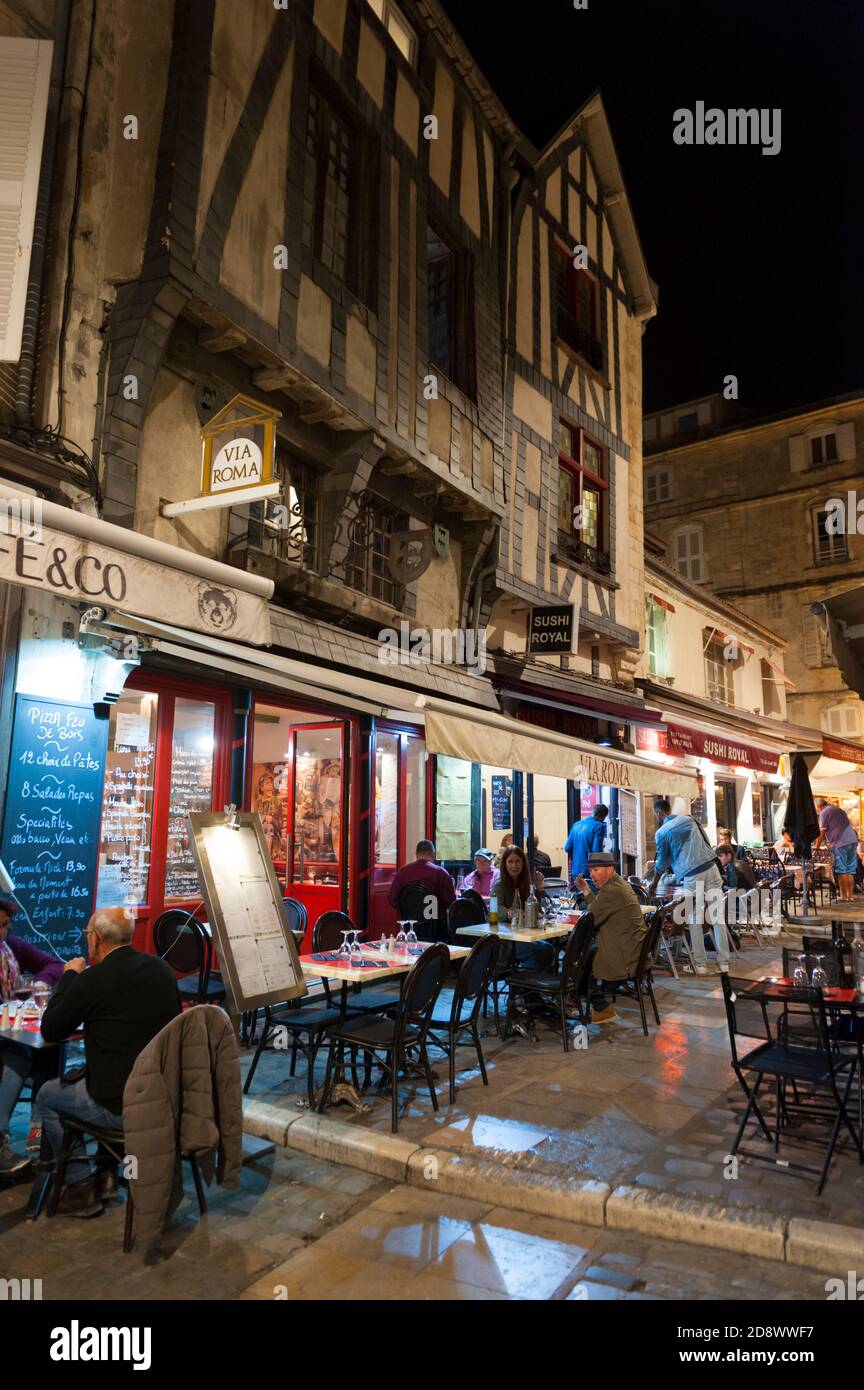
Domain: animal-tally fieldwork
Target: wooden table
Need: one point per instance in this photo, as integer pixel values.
(544, 933)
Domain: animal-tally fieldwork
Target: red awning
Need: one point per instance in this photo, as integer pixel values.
(589, 704)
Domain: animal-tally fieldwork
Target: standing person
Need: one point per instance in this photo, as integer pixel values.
(16, 1062)
(122, 1001)
(836, 829)
(683, 847)
(587, 836)
(483, 873)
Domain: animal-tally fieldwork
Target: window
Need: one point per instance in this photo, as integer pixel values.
(719, 674)
(577, 311)
(655, 628)
(288, 527)
(450, 311)
(582, 498)
(687, 553)
(844, 720)
(397, 27)
(688, 422)
(771, 703)
(657, 486)
(339, 201)
(827, 545)
(823, 449)
(367, 567)
(817, 645)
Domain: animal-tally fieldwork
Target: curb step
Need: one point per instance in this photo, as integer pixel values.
(819, 1245)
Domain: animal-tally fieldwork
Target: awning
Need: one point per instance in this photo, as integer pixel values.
(618, 712)
(479, 736)
(845, 616)
(778, 670)
(79, 558)
(689, 741)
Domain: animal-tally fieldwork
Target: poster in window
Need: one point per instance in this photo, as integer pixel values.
(317, 798)
(269, 793)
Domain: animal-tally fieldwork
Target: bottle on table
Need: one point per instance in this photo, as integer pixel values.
(532, 911)
(492, 916)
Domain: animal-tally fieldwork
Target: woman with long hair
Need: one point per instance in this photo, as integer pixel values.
(512, 887)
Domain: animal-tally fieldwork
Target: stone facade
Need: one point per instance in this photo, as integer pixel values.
(749, 495)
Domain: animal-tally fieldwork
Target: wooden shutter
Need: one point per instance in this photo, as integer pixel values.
(846, 441)
(797, 454)
(25, 67)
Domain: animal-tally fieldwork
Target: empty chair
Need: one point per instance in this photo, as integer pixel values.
(181, 940)
(463, 913)
(296, 916)
(472, 896)
(389, 1041)
(469, 990)
(420, 905)
(327, 936)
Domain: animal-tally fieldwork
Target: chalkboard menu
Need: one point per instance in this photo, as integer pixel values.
(501, 792)
(51, 822)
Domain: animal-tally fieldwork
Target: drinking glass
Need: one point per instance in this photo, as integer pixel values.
(818, 975)
(345, 948)
(799, 974)
(400, 935)
(411, 935)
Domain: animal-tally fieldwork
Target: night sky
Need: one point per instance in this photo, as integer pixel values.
(757, 257)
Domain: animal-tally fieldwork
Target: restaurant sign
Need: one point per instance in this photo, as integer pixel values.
(843, 752)
(570, 722)
(239, 444)
(79, 570)
(680, 741)
(553, 630)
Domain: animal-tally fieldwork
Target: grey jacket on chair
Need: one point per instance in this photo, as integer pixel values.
(183, 1096)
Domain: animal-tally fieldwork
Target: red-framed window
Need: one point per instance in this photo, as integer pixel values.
(169, 753)
(583, 497)
(578, 316)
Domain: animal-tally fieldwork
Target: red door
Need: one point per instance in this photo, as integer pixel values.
(398, 817)
(316, 822)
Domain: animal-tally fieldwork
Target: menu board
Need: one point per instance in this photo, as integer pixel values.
(191, 790)
(51, 822)
(127, 812)
(627, 823)
(257, 952)
(501, 791)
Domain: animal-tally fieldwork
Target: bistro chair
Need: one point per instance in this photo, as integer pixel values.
(464, 912)
(471, 895)
(181, 940)
(76, 1134)
(389, 1041)
(413, 906)
(472, 982)
(819, 1067)
(306, 1025)
(327, 936)
(639, 889)
(296, 916)
(532, 992)
(641, 982)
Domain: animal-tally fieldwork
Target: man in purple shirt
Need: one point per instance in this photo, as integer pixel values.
(439, 887)
(836, 829)
(17, 957)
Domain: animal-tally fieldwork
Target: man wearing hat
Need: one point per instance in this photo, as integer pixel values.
(483, 873)
(619, 926)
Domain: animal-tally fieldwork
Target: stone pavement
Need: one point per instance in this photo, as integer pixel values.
(657, 1112)
(303, 1228)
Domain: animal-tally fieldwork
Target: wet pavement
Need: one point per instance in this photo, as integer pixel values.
(658, 1112)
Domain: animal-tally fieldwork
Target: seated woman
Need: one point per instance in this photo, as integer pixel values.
(16, 957)
(483, 874)
(513, 886)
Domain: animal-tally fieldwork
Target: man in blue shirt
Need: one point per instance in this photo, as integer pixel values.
(587, 836)
(682, 846)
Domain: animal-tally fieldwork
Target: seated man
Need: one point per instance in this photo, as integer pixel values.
(440, 886)
(620, 929)
(122, 1001)
(737, 873)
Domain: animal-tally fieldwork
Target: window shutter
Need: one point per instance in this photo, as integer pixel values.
(25, 67)
(846, 441)
(797, 454)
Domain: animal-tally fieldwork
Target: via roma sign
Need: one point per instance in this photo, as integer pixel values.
(239, 447)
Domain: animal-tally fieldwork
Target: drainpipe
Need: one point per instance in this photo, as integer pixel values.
(33, 300)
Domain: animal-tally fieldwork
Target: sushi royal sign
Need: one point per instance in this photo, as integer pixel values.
(553, 631)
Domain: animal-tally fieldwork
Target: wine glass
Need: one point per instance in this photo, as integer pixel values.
(818, 975)
(356, 949)
(400, 935)
(345, 948)
(411, 935)
(799, 974)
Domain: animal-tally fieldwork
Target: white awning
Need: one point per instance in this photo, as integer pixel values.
(479, 736)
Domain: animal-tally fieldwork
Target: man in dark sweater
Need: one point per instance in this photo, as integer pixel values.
(122, 1001)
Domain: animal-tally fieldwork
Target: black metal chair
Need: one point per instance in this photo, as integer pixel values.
(181, 940)
(641, 982)
(639, 889)
(472, 896)
(472, 982)
(306, 1026)
(819, 1066)
(415, 900)
(463, 913)
(533, 991)
(396, 1037)
(296, 916)
(75, 1135)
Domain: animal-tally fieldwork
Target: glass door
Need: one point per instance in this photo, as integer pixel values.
(398, 817)
(316, 821)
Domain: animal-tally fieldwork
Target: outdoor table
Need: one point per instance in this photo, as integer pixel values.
(374, 964)
(506, 933)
